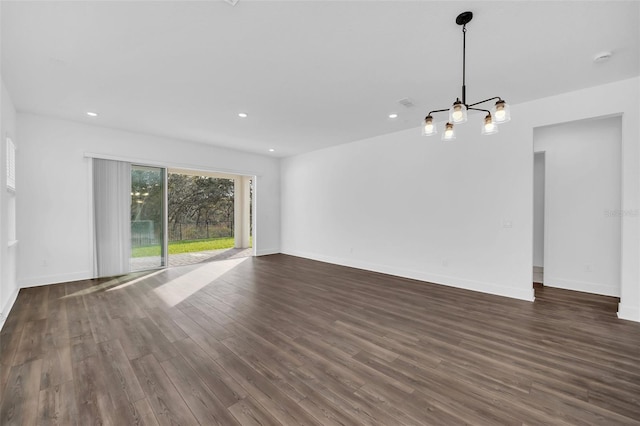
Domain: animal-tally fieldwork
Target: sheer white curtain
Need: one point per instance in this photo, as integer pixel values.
(112, 216)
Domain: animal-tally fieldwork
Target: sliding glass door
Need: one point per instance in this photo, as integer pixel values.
(148, 217)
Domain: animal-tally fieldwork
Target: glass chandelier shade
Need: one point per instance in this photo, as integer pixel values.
(458, 112)
(489, 127)
(501, 112)
(429, 127)
(449, 133)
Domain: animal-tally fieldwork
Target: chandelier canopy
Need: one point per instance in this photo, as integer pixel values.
(458, 112)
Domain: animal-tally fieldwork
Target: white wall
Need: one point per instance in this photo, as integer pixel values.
(583, 239)
(55, 206)
(421, 208)
(451, 213)
(538, 209)
(8, 283)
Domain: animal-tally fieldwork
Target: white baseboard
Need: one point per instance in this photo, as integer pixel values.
(525, 293)
(631, 313)
(6, 309)
(266, 252)
(583, 286)
(55, 279)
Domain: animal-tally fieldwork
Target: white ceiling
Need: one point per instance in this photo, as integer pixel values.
(310, 74)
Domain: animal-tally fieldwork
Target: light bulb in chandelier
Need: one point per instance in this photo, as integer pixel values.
(428, 126)
(489, 127)
(457, 112)
(501, 112)
(449, 134)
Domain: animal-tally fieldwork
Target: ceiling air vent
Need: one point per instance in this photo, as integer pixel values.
(406, 102)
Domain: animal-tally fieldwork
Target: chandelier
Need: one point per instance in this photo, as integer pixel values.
(458, 112)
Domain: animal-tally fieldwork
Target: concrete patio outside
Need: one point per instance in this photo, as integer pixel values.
(142, 263)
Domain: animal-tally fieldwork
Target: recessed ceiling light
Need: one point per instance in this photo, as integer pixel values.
(92, 114)
(242, 115)
(271, 150)
(393, 115)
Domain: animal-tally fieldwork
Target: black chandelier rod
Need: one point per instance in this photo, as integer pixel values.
(464, 64)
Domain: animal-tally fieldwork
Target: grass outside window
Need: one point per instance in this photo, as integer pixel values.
(189, 246)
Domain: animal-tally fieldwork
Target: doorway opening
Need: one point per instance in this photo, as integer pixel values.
(577, 205)
(209, 216)
(538, 218)
(183, 217)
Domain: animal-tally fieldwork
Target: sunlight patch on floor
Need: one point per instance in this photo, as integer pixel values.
(180, 288)
(109, 285)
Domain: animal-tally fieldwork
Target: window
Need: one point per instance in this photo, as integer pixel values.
(11, 165)
(11, 196)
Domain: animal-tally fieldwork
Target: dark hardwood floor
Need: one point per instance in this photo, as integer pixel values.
(283, 340)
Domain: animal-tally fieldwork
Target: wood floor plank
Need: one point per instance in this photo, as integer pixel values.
(166, 325)
(267, 394)
(264, 364)
(284, 340)
(342, 394)
(145, 413)
(56, 366)
(133, 343)
(31, 342)
(77, 317)
(92, 398)
(202, 337)
(326, 412)
(121, 385)
(207, 323)
(249, 413)
(57, 329)
(39, 306)
(21, 395)
(57, 405)
(99, 320)
(166, 402)
(575, 411)
(204, 405)
(226, 389)
(9, 343)
(154, 339)
(119, 371)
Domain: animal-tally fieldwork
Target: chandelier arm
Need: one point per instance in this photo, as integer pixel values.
(438, 110)
(486, 100)
(480, 109)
